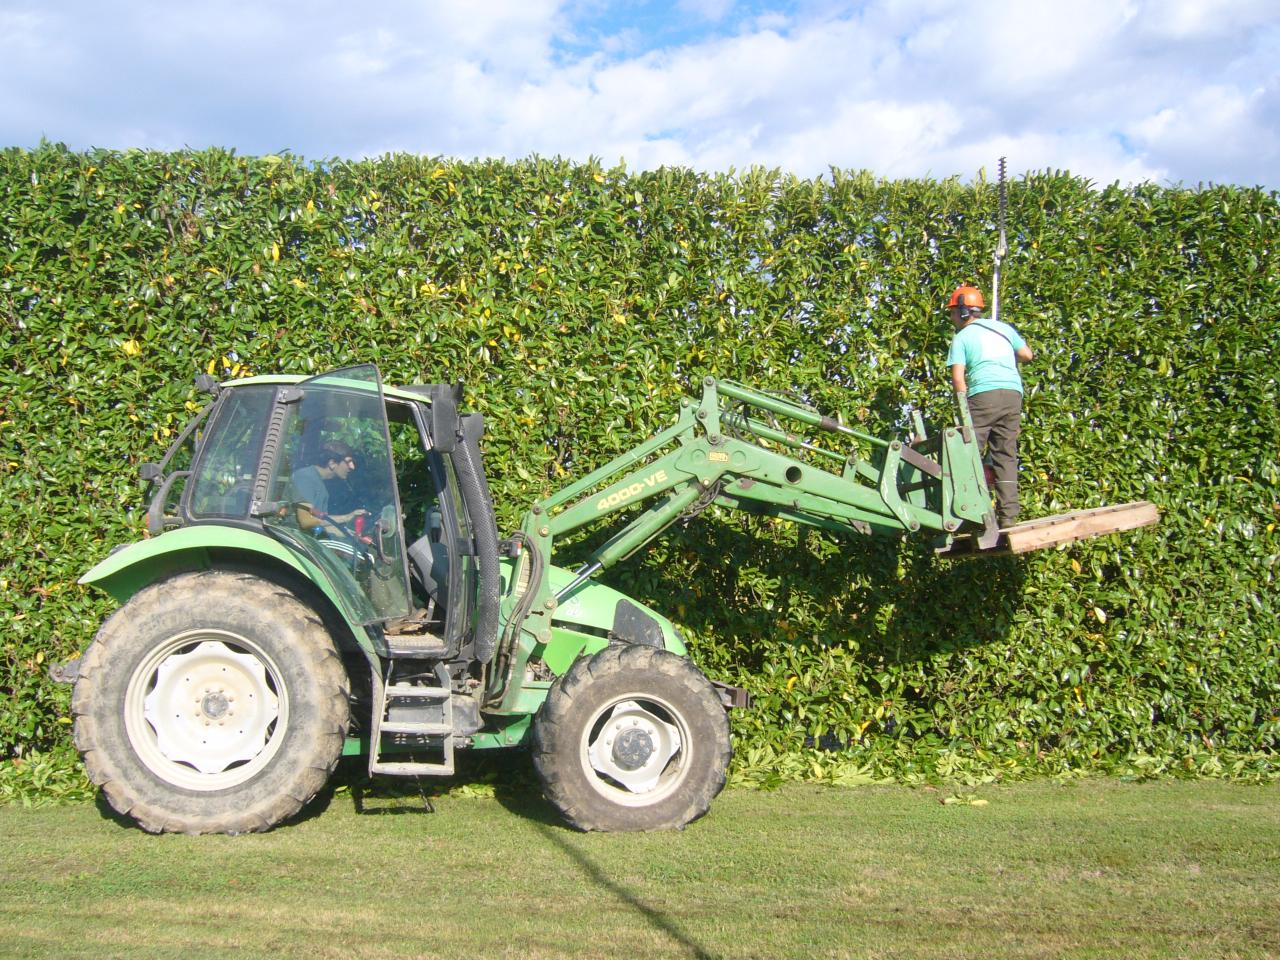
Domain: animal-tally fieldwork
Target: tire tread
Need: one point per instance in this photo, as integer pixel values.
(160, 810)
(555, 740)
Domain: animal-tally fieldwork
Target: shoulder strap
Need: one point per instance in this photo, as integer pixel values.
(993, 330)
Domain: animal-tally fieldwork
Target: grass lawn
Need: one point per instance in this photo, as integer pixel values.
(1095, 868)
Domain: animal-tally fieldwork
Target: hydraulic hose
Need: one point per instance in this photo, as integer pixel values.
(484, 531)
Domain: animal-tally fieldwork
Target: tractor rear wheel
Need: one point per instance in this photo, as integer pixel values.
(212, 702)
(632, 738)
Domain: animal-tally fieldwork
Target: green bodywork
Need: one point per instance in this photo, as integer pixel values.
(579, 628)
(126, 571)
(731, 449)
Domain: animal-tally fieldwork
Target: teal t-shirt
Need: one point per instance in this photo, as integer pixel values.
(986, 348)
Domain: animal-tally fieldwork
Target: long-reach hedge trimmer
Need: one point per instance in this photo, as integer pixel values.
(1002, 246)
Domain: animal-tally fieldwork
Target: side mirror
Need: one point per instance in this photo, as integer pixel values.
(444, 422)
(207, 384)
(149, 472)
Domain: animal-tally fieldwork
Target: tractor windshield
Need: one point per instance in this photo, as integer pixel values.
(334, 482)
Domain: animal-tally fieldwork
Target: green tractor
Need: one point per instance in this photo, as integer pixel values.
(324, 576)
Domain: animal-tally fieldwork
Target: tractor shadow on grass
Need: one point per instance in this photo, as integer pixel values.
(656, 918)
(506, 775)
(315, 807)
(509, 774)
(386, 796)
(520, 794)
(108, 812)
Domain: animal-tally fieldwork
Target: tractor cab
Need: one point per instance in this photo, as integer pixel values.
(358, 483)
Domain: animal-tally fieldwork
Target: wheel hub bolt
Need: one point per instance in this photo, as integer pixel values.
(632, 749)
(214, 705)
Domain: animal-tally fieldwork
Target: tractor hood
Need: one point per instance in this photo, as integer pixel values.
(603, 610)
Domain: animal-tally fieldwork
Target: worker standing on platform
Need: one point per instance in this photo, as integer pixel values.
(984, 359)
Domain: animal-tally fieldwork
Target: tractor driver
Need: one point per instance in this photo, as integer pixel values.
(309, 489)
(984, 359)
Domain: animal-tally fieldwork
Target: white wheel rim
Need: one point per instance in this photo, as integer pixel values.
(635, 750)
(206, 710)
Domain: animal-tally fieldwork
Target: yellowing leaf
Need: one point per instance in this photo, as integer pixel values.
(1100, 614)
(1075, 565)
(131, 348)
(963, 800)
(275, 253)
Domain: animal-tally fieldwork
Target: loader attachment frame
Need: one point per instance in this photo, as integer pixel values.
(743, 449)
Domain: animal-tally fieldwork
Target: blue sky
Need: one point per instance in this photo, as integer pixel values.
(1177, 91)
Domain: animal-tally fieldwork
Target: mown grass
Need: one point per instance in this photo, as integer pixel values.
(1095, 868)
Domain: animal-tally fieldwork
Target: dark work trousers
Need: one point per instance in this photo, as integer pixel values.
(997, 421)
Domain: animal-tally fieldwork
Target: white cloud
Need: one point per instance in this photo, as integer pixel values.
(1111, 89)
(1198, 20)
(1215, 130)
(888, 137)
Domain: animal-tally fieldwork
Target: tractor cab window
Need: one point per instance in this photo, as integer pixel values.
(333, 490)
(223, 482)
(435, 529)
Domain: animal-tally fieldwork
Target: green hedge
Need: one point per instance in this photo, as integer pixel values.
(579, 303)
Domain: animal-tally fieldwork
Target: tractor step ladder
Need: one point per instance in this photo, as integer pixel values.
(434, 734)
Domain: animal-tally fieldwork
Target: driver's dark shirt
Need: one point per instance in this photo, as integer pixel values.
(309, 487)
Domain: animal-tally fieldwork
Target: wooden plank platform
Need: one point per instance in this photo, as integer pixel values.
(1062, 528)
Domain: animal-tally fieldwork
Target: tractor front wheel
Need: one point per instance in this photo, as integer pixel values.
(632, 738)
(211, 702)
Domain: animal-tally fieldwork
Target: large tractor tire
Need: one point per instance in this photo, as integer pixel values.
(632, 738)
(212, 702)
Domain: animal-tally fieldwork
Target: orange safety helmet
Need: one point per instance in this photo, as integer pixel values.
(966, 297)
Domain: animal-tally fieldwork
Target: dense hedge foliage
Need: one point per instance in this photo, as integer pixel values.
(579, 303)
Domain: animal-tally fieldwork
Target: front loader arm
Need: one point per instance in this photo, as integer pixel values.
(739, 460)
(751, 456)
